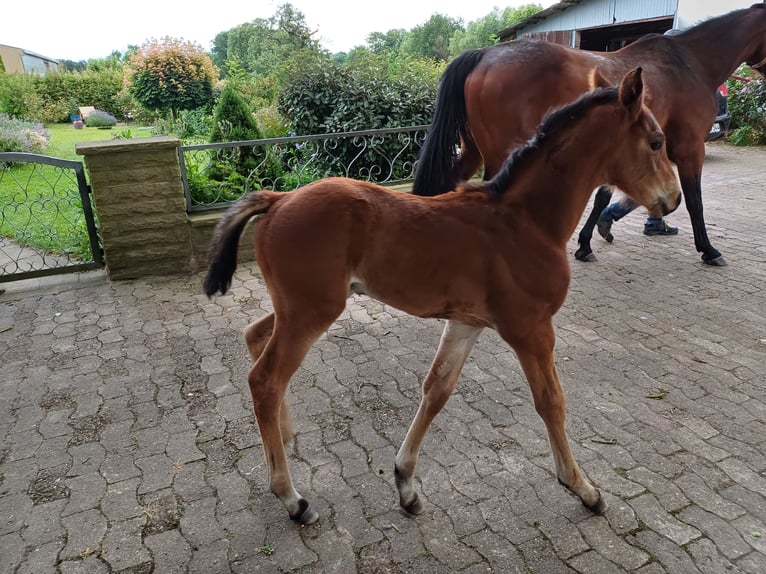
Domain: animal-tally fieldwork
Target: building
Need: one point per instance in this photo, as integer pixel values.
(19, 61)
(608, 25)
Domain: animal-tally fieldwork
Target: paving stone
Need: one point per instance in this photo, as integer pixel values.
(649, 511)
(85, 531)
(170, 552)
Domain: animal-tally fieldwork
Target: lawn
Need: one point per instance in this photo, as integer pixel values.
(40, 205)
(64, 137)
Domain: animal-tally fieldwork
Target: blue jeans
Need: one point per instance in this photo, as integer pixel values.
(621, 208)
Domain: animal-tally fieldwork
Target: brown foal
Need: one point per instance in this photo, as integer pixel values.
(490, 254)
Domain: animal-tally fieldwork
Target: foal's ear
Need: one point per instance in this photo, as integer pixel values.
(631, 91)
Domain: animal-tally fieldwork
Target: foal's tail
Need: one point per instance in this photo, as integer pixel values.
(437, 170)
(223, 248)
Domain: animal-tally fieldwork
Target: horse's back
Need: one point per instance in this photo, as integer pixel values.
(515, 84)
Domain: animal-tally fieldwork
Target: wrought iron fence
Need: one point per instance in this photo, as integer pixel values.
(217, 174)
(47, 224)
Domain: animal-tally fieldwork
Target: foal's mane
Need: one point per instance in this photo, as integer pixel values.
(553, 124)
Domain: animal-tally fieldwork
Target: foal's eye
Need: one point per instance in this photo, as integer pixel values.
(656, 145)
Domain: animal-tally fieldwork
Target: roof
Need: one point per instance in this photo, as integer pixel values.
(539, 16)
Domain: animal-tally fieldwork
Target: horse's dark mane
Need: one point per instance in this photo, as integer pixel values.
(553, 123)
(722, 21)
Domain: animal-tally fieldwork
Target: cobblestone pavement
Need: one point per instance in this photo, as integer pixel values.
(128, 443)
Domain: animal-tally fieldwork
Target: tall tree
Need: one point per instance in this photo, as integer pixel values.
(170, 75)
(262, 45)
(483, 32)
(432, 39)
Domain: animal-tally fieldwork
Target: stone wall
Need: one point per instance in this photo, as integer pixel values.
(139, 201)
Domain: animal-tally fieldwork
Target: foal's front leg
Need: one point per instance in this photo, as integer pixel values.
(456, 343)
(535, 354)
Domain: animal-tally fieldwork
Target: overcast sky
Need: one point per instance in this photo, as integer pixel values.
(87, 29)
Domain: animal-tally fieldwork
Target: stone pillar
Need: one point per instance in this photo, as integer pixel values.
(140, 205)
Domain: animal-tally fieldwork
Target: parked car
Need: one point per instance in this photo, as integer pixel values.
(723, 118)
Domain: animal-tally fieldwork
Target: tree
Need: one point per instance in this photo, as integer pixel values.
(261, 46)
(432, 39)
(390, 42)
(171, 75)
(483, 32)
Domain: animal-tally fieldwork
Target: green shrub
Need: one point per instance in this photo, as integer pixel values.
(747, 104)
(100, 119)
(22, 136)
(246, 166)
(377, 92)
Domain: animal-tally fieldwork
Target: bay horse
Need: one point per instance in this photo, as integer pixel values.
(490, 101)
(490, 254)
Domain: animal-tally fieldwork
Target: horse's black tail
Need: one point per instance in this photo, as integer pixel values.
(222, 256)
(436, 170)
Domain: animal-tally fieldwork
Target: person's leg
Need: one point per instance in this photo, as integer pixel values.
(611, 213)
(658, 226)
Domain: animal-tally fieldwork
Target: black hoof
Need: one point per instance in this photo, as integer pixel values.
(414, 507)
(716, 261)
(599, 507)
(305, 515)
(585, 255)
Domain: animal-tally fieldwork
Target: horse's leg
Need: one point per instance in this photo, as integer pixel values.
(690, 174)
(535, 353)
(257, 334)
(455, 345)
(290, 340)
(469, 162)
(584, 251)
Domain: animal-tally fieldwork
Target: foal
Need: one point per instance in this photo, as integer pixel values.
(491, 254)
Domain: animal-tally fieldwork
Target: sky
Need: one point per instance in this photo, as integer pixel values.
(87, 29)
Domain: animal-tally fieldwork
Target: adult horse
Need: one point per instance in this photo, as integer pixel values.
(491, 254)
(492, 99)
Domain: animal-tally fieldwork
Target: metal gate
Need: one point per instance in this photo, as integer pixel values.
(47, 224)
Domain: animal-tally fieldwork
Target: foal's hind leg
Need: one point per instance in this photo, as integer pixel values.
(584, 251)
(456, 342)
(257, 334)
(290, 341)
(535, 354)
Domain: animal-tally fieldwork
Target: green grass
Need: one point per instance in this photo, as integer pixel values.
(64, 138)
(40, 205)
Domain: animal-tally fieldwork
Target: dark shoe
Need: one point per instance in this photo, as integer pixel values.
(604, 226)
(661, 228)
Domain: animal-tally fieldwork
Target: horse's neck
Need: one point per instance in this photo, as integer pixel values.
(717, 52)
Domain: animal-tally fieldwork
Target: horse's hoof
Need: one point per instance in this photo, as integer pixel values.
(414, 506)
(585, 255)
(599, 507)
(716, 261)
(305, 515)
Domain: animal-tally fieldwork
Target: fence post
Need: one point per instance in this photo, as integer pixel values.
(139, 200)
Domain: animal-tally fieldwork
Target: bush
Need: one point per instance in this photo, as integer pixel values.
(100, 119)
(747, 104)
(22, 136)
(377, 92)
(251, 166)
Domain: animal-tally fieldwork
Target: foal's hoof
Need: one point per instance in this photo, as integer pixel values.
(585, 255)
(414, 506)
(716, 261)
(598, 507)
(305, 515)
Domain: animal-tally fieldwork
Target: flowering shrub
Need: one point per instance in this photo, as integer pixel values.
(99, 118)
(18, 135)
(747, 103)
